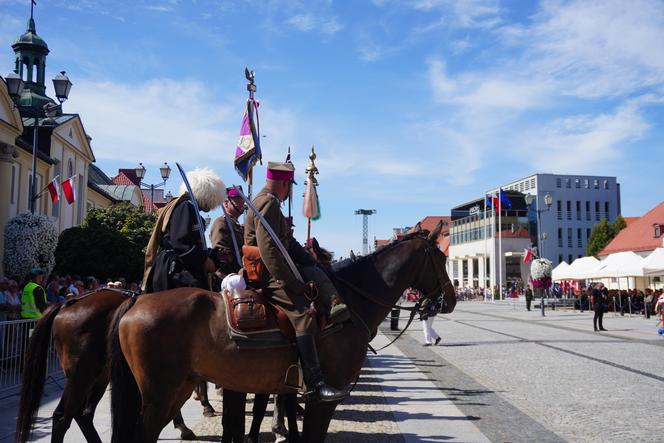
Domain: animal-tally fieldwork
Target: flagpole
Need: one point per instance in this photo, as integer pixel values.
(500, 245)
(311, 171)
(485, 249)
(251, 88)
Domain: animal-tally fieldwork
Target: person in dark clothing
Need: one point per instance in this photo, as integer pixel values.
(176, 255)
(33, 300)
(222, 236)
(599, 301)
(529, 297)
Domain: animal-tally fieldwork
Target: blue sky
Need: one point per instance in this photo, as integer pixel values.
(414, 106)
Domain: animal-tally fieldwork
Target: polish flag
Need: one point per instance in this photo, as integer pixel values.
(528, 255)
(54, 189)
(69, 189)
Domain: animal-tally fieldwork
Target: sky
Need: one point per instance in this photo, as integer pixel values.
(413, 106)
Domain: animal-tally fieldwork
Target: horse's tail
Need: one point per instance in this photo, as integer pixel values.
(34, 373)
(125, 396)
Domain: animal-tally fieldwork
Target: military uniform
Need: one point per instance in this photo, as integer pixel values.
(177, 248)
(281, 280)
(222, 243)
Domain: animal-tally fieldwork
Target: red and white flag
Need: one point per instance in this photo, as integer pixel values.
(528, 255)
(54, 189)
(69, 189)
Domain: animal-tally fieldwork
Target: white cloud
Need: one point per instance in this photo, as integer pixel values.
(310, 22)
(303, 22)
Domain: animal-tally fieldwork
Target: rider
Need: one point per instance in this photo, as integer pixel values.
(176, 255)
(286, 290)
(222, 242)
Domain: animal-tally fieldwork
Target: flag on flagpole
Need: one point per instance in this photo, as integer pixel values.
(528, 255)
(248, 150)
(504, 199)
(495, 202)
(54, 189)
(311, 206)
(69, 189)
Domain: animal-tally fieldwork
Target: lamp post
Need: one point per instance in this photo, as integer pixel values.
(165, 173)
(62, 87)
(548, 201)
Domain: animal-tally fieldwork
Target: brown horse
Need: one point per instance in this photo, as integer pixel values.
(80, 328)
(162, 343)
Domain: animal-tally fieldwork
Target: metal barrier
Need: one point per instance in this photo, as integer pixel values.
(14, 337)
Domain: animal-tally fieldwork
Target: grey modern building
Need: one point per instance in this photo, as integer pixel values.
(578, 203)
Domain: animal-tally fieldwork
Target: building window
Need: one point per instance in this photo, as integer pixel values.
(596, 184)
(569, 257)
(559, 182)
(588, 210)
(597, 217)
(578, 238)
(578, 210)
(560, 258)
(560, 237)
(658, 230)
(577, 183)
(568, 183)
(569, 237)
(569, 210)
(606, 184)
(586, 184)
(532, 182)
(587, 234)
(606, 209)
(559, 209)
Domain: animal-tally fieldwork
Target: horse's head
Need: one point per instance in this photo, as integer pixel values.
(433, 279)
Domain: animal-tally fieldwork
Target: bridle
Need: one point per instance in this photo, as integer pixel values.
(413, 310)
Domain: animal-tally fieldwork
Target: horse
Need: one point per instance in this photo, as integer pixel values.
(156, 359)
(79, 327)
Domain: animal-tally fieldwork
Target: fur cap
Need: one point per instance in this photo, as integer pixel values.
(209, 190)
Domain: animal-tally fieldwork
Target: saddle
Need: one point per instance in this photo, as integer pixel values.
(253, 322)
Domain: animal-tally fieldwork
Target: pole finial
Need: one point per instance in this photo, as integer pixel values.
(312, 170)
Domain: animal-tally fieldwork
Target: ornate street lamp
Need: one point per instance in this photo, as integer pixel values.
(62, 86)
(165, 171)
(14, 87)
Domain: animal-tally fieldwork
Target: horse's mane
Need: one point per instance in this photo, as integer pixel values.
(351, 265)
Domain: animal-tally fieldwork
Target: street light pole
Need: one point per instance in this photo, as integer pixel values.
(165, 173)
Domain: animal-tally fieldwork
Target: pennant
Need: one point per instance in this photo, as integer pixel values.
(54, 189)
(248, 150)
(69, 189)
(528, 255)
(504, 199)
(311, 206)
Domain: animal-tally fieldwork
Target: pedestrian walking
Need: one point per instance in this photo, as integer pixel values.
(529, 297)
(428, 311)
(599, 300)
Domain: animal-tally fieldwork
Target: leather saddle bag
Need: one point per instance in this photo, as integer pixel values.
(253, 265)
(248, 311)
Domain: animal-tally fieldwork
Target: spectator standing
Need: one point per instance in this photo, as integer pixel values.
(529, 297)
(599, 300)
(13, 300)
(428, 311)
(4, 293)
(53, 292)
(33, 300)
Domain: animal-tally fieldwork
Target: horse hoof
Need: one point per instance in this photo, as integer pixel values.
(188, 434)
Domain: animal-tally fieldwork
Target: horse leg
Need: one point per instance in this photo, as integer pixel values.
(71, 402)
(156, 413)
(85, 418)
(232, 416)
(291, 405)
(278, 428)
(258, 414)
(202, 396)
(185, 432)
(317, 417)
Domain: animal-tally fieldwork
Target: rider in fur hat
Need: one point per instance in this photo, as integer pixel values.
(176, 255)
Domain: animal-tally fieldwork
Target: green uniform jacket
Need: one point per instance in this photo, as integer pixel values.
(222, 243)
(256, 235)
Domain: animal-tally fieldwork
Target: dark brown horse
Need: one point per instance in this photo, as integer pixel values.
(80, 328)
(162, 343)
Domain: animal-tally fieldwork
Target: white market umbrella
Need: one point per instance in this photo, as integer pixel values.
(581, 268)
(619, 264)
(653, 264)
(560, 272)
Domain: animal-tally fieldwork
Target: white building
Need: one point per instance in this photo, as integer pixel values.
(578, 203)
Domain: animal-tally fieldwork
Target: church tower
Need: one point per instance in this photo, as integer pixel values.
(31, 51)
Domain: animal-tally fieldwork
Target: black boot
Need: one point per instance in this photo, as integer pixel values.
(313, 377)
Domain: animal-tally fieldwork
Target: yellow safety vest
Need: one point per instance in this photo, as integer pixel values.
(28, 306)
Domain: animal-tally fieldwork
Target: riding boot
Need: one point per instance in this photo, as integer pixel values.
(313, 377)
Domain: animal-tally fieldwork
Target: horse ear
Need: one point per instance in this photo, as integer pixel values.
(418, 227)
(433, 236)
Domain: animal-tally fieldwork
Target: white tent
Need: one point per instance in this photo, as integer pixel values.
(559, 271)
(653, 264)
(619, 264)
(580, 269)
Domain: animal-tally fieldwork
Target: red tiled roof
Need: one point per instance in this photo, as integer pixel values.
(379, 243)
(630, 220)
(430, 221)
(124, 179)
(639, 235)
(148, 205)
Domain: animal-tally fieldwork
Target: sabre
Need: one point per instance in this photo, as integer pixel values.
(201, 225)
(273, 234)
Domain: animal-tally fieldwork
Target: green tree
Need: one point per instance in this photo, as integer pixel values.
(110, 243)
(618, 225)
